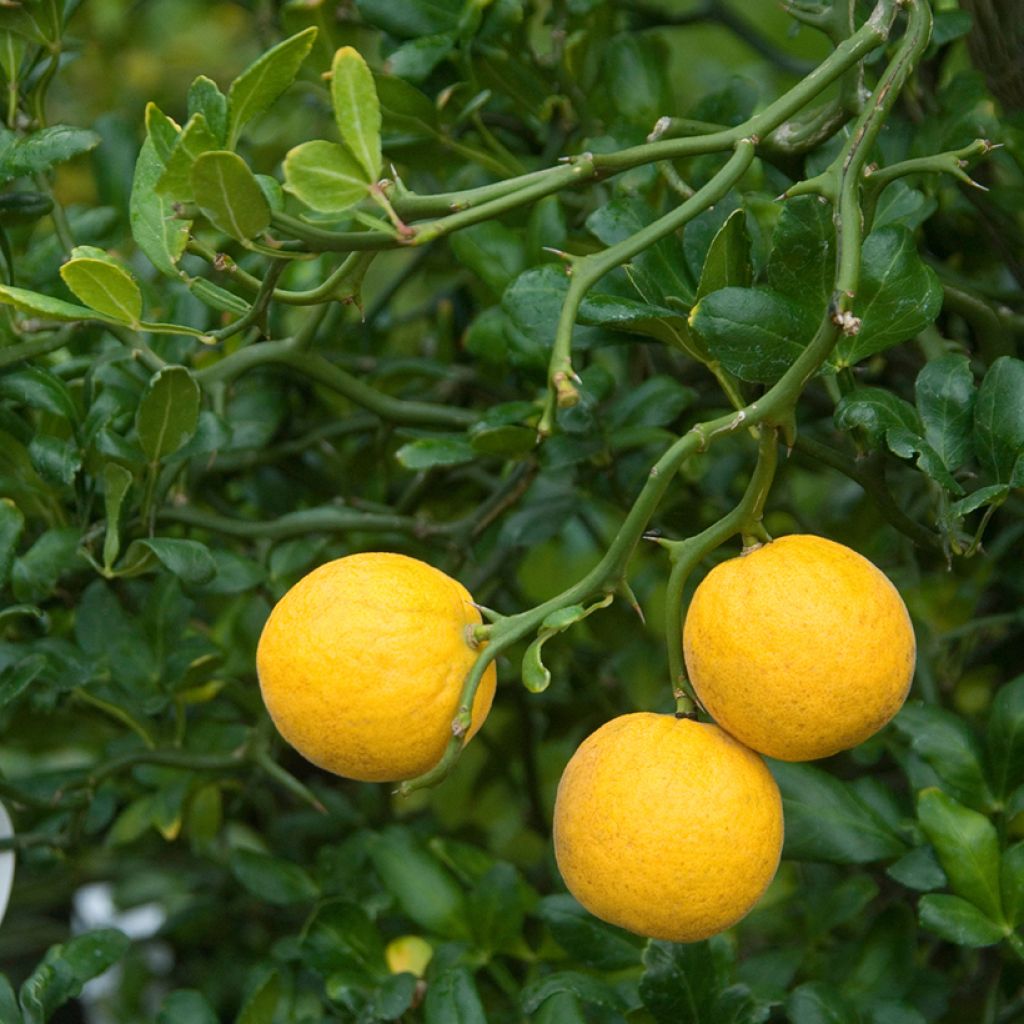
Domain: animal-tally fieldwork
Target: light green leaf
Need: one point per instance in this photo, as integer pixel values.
(39, 151)
(195, 139)
(168, 412)
(324, 176)
(104, 285)
(156, 230)
(435, 451)
(263, 81)
(162, 130)
(229, 195)
(958, 921)
(205, 98)
(47, 308)
(116, 481)
(357, 109)
(728, 262)
(189, 560)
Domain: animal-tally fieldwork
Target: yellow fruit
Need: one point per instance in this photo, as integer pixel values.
(799, 649)
(667, 827)
(408, 954)
(362, 662)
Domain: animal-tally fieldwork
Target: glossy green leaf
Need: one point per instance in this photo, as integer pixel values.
(40, 150)
(875, 411)
(899, 295)
(12, 523)
(435, 451)
(536, 675)
(958, 921)
(452, 998)
(57, 460)
(156, 230)
(38, 388)
(594, 942)
(342, 937)
(168, 412)
(944, 393)
(186, 1006)
(826, 821)
(728, 263)
(175, 181)
(229, 195)
(272, 879)
(906, 444)
(1005, 738)
(104, 285)
(189, 560)
(325, 176)
(116, 481)
(755, 333)
(263, 81)
(635, 317)
(422, 888)
(999, 418)
(47, 308)
(946, 743)
(801, 264)
(679, 982)
(585, 987)
(204, 97)
(902, 205)
(967, 847)
(357, 109)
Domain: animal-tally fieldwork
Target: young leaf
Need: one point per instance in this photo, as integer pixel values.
(944, 391)
(999, 417)
(47, 308)
(156, 230)
(899, 295)
(175, 181)
(104, 285)
(967, 847)
(263, 81)
(728, 262)
(958, 921)
(205, 98)
(168, 412)
(357, 109)
(801, 264)
(325, 177)
(435, 451)
(1005, 737)
(755, 333)
(229, 195)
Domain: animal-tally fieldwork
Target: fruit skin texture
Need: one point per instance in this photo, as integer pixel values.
(799, 649)
(362, 662)
(667, 827)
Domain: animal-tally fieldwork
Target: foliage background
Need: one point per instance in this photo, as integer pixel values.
(136, 752)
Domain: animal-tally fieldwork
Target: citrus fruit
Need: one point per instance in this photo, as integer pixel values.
(667, 826)
(800, 648)
(362, 662)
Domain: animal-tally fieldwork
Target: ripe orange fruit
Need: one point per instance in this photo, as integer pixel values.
(362, 662)
(799, 649)
(667, 827)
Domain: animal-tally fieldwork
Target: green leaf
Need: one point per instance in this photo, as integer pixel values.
(801, 264)
(103, 285)
(584, 937)
(958, 921)
(186, 1006)
(899, 295)
(679, 983)
(342, 937)
(407, 19)
(229, 195)
(755, 333)
(47, 308)
(999, 417)
(559, 1008)
(54, 555)
(944, 392)
(415, 59)
(906, 444)
(919, 870)
(12, 522)
(39, 151)
(61, 974)
(162, 131)
(817, 1002)
(435, 451)
(324, 176)
(116, 481)
(535, 674)
(156, 230)
(204, 97)
(945, 742)
(9, 1012)
(175, 181)
(263, 81)
(56, 459)
(876, 411)
(619, 313)
(168, 412)
(967, 847)
(1011, 883)
(496, 909)
(423, 889)
(1005, 738)
(452, 998)
(992, 495)
(189, 560)
(357, 109)
(492, 251)
(39, 389)
(657, 402)
(825, 821)
(272, 879)
(900, 204)
(586, 988)
(728, 262)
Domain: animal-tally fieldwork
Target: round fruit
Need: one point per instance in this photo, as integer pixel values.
(667, 827)
(799, 649)
(362, 662)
